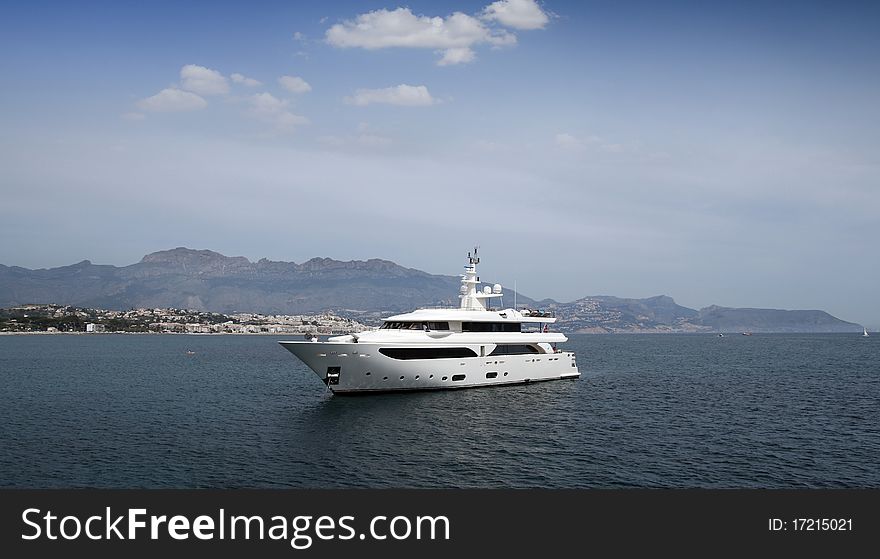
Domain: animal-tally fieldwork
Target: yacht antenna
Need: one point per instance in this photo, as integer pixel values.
(514, 294)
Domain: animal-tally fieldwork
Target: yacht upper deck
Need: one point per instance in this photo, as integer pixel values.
(468, 315)
(474, 305)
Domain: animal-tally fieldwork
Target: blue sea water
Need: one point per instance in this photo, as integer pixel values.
(681, 411)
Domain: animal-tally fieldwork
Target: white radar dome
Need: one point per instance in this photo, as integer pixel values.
(463, 289)
(487, 290)
(496, 288)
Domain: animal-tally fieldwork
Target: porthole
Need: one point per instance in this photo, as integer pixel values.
(432, 376)
(505, 373)
(444, 378)
(401, 377)
(369, 373)
(417, 377)
(384, 378)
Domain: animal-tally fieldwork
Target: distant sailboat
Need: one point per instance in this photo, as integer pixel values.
(865, 334)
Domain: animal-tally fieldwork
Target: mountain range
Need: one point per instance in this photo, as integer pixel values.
(208, 281)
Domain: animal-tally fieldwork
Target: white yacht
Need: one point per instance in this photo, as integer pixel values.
(434, 349)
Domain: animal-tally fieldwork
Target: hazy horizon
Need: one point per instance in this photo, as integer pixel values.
(716, 153)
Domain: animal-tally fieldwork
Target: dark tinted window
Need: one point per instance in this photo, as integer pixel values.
(493, 374)
(427, 352)
(512, 349)
(490, 327)
(457, 377)
(408, 325)
(438, 326)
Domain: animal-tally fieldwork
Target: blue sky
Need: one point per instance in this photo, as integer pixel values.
(720, 154)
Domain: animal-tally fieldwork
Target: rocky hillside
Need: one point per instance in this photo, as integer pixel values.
(202, 280)
(604, 314)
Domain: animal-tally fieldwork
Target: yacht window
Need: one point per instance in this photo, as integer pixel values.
(438, 326)
(457, 377)
(404, 326)
(427, 352)
(513, 349)
(490, 326)
(492, 374)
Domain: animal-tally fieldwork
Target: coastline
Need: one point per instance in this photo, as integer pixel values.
(326, 334)
(160, 333)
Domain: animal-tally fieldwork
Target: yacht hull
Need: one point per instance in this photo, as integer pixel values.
(359, 367)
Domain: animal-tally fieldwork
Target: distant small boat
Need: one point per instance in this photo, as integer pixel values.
(720, 335)
(747, 333)
(188, 352)
(865, 334)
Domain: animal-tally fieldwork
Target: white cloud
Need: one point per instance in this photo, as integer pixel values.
(402, 95)
(519, 14)
(171, 100)
(458, 55)
(288, 121)
(401, 28)
(265, 103)
(244, 80)
(569, 142)
(203, 81)
(268, 108)
(294, 84)
(297, 36)
(134, 116)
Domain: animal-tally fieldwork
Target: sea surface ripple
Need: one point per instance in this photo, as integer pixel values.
(672, 411)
